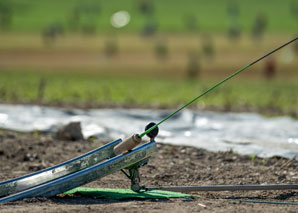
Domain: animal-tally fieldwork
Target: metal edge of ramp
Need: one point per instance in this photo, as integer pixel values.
(78, 163)
(87, 175)
(244, 187)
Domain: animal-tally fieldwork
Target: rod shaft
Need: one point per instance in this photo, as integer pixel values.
(216, 85)
(228, 187)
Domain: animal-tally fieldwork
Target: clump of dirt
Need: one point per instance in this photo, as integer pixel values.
(172, 165)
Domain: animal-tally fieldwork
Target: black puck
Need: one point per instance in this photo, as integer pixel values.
(154, 132)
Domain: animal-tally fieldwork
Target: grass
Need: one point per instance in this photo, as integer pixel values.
(211, 16)
(74, 70)
(79, 89)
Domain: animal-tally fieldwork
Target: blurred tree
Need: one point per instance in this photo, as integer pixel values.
(51, 32)
(90, 13)
(270, 68)
(161, 50)
(234, 31)
(74, 19)
(191, 23)
(111, 48)
(294, 9)
(208, 47)
(146, 7)
(233, 11)
(149, 28)
(6, 14)
(259, 26)
(193, 66)
(233, 8)
(83, 17)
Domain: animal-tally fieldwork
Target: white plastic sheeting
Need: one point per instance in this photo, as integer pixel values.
(244, 133)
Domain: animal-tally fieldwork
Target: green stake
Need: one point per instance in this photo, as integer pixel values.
(216, 85)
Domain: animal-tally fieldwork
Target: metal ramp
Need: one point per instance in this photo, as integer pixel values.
(79, 171)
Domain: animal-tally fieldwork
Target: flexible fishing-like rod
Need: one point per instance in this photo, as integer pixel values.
(216, 85)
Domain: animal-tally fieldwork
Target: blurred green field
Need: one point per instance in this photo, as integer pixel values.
(76, 69)
(169, 15)
(93, 90)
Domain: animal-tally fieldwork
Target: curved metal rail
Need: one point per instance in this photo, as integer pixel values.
(76, 164)
(87, 175)
(228, 187)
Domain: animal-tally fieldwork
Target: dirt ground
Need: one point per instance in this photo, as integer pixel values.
(172, 165)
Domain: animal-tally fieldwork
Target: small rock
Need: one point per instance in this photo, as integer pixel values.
(30, 157)
(282, 177)
(11, 135)
(71, 132)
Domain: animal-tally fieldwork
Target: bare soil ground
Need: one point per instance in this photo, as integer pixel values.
(171, 165)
